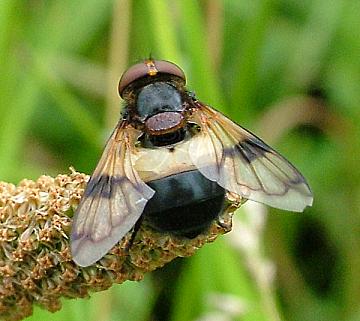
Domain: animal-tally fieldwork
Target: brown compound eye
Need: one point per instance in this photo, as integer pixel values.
(148, 68)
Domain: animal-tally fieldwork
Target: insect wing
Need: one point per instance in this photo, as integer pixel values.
(113, 200)
(242, 163)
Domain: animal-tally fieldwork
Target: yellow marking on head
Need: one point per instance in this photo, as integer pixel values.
(150, 64)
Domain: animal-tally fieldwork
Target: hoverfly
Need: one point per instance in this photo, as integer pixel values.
(171, 160)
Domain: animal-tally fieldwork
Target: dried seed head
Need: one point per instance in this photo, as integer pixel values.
(35, 259)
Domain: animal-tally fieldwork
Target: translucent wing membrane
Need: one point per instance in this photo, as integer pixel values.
(242, 163)
(112, 203)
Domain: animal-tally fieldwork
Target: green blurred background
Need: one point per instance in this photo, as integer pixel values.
(288, 70)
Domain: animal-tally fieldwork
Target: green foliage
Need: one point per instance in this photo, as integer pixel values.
(252, 59)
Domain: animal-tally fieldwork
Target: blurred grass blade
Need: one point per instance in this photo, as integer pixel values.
(83, 122)
(15, 122)
(118, 56)
(202, 76)
(71, 25)
(215, 269)
(244, 87)
(161, 16)
(313, 43)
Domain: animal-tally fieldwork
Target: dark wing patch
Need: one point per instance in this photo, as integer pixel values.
(113, 200)
(243, 164)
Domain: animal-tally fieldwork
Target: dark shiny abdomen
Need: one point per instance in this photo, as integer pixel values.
(184, 204)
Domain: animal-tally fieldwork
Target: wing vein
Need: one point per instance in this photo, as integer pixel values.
(242, 163)
(113, 200)
(252, 169)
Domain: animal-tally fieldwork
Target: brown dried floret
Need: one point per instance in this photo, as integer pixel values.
(35, 259)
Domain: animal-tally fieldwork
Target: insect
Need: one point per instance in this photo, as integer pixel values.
(170, 161)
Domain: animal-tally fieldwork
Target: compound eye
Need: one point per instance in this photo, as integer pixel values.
(167, 67)
(133, 73)
(148, 68)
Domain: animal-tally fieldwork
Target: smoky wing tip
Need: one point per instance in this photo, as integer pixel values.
(311, 200)
(308, 202)
(82, 255)
(78, 249)
(81, 262)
